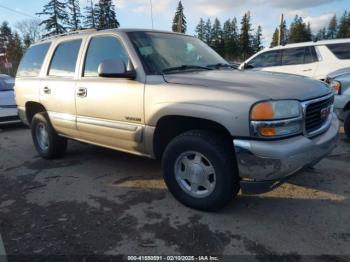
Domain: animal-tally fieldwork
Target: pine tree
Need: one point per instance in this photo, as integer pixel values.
(332, 28)
(57, 17)
(321, 34)
(245, 38)
(106, 16)
(5, 36)
(90, 15)
(257, 40)
(179, 22)
(344, 26)
(299, 31)
(14, 52)
(217, 42)
(207, 32)
(274, 41)
(74, 22)
(200, 30)
(230, 36)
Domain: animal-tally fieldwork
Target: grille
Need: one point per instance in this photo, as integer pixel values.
(317, 114)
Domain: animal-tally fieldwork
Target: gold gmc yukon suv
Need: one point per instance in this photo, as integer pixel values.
(169, 96)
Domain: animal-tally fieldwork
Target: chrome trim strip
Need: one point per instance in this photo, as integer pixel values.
(107, 123)
(326, 124)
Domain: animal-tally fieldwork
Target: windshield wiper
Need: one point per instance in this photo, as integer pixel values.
(186, 67)
(220, 65)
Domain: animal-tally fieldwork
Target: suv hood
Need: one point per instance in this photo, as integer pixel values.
(262, 85)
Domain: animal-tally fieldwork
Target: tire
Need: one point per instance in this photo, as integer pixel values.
(200, 151)
(347, 124)
(46, 141)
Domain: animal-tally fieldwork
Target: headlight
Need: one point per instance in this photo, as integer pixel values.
(335, 87)
(273, 119)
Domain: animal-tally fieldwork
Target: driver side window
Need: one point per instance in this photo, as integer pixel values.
(100, 49)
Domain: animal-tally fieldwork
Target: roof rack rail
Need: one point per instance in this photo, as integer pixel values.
(76, 32)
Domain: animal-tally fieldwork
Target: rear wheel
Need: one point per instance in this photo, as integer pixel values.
(46, 141)
(347, 124)
(199, 170)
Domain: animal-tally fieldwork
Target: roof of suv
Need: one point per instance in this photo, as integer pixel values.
(322, 42)
(95, 31)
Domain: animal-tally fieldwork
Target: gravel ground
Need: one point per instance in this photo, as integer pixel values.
(97, 204)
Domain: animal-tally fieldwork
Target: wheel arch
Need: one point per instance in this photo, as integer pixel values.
(170, 126)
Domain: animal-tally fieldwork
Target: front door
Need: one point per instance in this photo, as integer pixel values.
(109, 110)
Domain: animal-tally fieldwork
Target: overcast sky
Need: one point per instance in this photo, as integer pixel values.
(136, 13)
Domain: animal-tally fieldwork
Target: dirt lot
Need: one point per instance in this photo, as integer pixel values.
(100, 202)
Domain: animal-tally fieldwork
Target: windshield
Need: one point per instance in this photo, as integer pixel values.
(6, 84)
(165, 52)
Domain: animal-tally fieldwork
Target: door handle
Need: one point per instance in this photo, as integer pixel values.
(47, 90)
(82, 92)
(307, 70)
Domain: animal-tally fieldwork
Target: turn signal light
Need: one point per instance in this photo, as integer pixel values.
(262, 111)
(267, 131)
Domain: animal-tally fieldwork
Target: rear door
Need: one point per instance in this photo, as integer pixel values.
(299, 61)
(57, 89)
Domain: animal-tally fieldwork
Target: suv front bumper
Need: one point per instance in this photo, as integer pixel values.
(263, 165)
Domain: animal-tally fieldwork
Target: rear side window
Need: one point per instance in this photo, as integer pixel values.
(341, 51)
(32, 61)
(100, 49)
(267, 59)
(64, 60)
(293, 56)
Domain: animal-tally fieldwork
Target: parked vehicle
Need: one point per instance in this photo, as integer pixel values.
(8, 107)
(339, 81)
(311, 59)
(171, 97)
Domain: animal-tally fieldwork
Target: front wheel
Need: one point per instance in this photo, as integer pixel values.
(347, 124)
(199, 170)
(46, 141)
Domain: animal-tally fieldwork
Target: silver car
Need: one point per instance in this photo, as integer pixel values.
(339, 81)
(8, 107)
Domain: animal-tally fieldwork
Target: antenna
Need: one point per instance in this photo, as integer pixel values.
(152, 14)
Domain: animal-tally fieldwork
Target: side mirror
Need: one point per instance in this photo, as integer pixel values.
(115, 68)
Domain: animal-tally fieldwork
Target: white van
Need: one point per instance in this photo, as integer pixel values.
(312, 59)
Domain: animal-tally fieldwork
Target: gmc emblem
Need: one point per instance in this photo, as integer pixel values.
(325, 112)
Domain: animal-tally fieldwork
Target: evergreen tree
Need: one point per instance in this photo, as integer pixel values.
(200, 30)
(207, 32)
(230, 39)
(57, 17)
(90, 16)
(332, 28)
(344, 26)
(5, 36)
(321, 34)
(179, 22)
(14, 52)
(217, 42)
(245, 38)
(257, 40)
(106, 16)
(274, 41)
(299, 31)
(74, 22)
